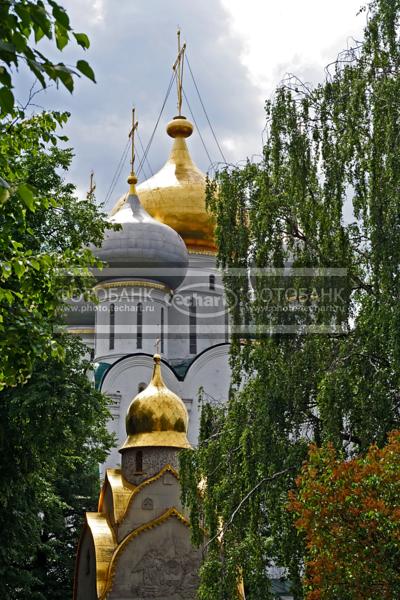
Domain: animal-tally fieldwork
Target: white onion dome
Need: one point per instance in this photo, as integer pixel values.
(143, 248)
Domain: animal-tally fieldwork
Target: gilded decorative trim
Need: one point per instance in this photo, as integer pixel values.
(147, 482)
(193, 250)
(171, 512)
(101, 531)
(77, 331)
(132, 283)
(117, 483)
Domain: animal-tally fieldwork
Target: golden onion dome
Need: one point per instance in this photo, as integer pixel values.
(156, 416)
(176, 194)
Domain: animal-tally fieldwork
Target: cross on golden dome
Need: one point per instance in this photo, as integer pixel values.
(132, 179)
(178, 68)
(175, 195)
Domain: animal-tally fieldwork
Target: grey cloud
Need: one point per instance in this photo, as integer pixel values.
(132, 51)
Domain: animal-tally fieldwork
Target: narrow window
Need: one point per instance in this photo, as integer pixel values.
(192, 327)
(139, 326)
(212, 282)
(112, 326)
(162, 331)
(139, 461)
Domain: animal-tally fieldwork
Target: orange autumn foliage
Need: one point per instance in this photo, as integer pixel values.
(349, 514)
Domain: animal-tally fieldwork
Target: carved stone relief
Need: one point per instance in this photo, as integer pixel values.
(166, 573)
(160, 564)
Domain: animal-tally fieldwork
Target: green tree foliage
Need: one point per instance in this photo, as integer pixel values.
(30, 272)
(44, 241)
(321, 361)
(52, 436)
(53, 431)
(52, 421)
(349, 513)
(23, 24)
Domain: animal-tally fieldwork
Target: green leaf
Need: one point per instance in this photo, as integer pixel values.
(60, 15)
(82, 39)
(19, 268)
(19, 41)
(39, 33)
(6, 100)
(61, 36)
(5, 271)
(86, 69)
(5, 77)
(35, 264)
(41, 19)
(6, 296)
(62, 73)
(37, 69)
(67, 80)
(25, 193)
(7, 47)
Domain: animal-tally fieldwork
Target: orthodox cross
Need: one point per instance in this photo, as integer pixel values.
(178, 68)
(92, 186)
(132, 137)
(157, 345)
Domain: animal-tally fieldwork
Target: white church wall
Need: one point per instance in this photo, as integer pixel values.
(203, 290)
(211, 374)
(127, 331)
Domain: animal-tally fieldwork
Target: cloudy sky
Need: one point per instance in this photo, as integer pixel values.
(238, 50)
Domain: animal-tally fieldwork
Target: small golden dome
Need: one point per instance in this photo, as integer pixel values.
(176, 194)
(156, 416)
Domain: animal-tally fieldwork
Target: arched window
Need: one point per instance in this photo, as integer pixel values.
(139, 461)
(139, 326)
(192, 327)
(162, 330)
(112, 327)
(211, 280)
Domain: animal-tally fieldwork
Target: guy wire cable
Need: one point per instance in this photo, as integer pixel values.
(118, 170)
(156, 125)
(145, 156)
(197, 127)
(204, 109)
(117, 174)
